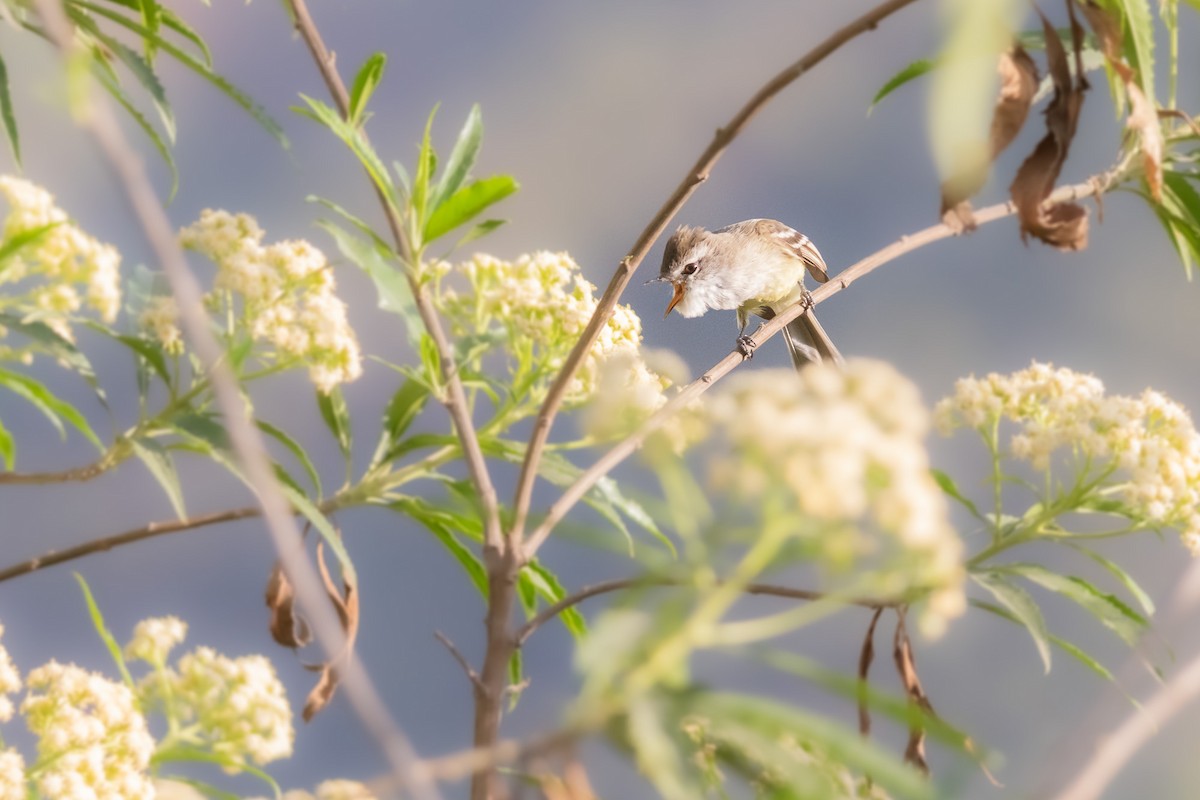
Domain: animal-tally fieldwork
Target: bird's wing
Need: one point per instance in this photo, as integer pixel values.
(795, 244)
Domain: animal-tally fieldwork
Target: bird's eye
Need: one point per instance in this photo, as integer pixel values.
(689, 268)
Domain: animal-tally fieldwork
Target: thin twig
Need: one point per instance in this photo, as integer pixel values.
(472, 675)
(695, 176)
(74, 475)
(53, 557)
(764, 589)
(455, 399)
(626, 447)
(98, 119)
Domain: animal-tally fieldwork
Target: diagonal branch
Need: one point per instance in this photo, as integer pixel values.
(455, 400)
(626, 447)
(696, 175)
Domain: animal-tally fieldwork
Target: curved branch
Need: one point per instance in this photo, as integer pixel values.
(622, 450)
(696, 175)
(53, 557)
(607, 587)
(74, 475)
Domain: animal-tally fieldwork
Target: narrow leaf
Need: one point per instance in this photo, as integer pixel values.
(462, 158)
(1022, 607)
(104, 633)
(1107, 608)
(8, 447)
(293, 447)
(1121, 575)
(365, 82)
(910, 73)
(401, 410)
(51, 406)
(467, 203)
(337, 419)
(8, 115)
(1068, 648)
(158, 461)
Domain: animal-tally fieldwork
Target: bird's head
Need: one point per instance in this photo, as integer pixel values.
(685, 259)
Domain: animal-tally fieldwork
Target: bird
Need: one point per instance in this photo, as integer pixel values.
(757, 267)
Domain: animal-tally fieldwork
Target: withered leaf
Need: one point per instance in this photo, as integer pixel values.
(1064, 225)
(1018, 85)
(865, 657)
(287, 627)
(1143, 116)
(345, 601)
(906, 666)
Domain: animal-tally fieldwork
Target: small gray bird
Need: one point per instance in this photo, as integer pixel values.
(757, 267)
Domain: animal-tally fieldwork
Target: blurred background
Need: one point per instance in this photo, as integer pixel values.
(598, 109)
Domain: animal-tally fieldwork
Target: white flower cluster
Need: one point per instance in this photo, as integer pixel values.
(160, 319)
(544, 303)
(10, 682)
(1147, 445)
(154, 638)
(12, 776)
(845, 449)
(65, 266)
(92, 740)
(238, 704)
(286, 295)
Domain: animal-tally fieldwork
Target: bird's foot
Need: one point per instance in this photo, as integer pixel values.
(806, 299)
(746, 346)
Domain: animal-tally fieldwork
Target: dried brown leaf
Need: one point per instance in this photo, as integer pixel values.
(1143, 116)
(865, 657)
(345, 601)
(1064, 225)
(287, 626)
(906, 665)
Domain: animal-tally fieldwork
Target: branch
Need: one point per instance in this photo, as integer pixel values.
(95, 115)
(696, 175)
(1114, 749)
(54, 557)
(764, 589)
(622, 450)
(456, 399)
(73, 475)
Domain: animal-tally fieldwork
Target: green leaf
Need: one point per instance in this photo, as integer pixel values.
(401, 410)
(147, 351)
(462, 158)
(8, 115)
(445, 528)
(102, 630)
(948, 486)
(46, 340)
(910, 73)
(231, 764)
(1022, 607)
(1121, 575)
(354, 139)
(8, 448)
(395, 294)
(293, 447)
(547, 586)
(760, 722)
(467, 203)
(52, 408)
(1107, 608)
(1138, 25)
(365, 82)
(480, 230)
(200, 68)
(426, 166)
(158, 461)
(337, 419)
(164, 152)
(1068, 648)
(14, 244)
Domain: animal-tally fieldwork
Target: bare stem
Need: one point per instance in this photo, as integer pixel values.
(626, 447)
(695, 176)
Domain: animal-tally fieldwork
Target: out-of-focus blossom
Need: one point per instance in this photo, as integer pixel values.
(153, 639)
(59, 269)
(12, 776)
(843, 450)
(10, 681)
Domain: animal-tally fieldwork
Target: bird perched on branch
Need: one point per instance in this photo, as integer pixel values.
(757, 267)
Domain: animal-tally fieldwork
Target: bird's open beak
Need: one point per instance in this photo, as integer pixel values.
(675, 298)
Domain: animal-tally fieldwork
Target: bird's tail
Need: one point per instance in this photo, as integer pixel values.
(808, 343)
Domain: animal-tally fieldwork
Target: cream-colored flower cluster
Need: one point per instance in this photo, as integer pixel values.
(630, 386)
(284, 293)
(543, 303)
(12, 776)
(1146, 447)
(154, 638)
(237, 705)
(59, 271)
(92, 740)
(844, 448)
(10, 681)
